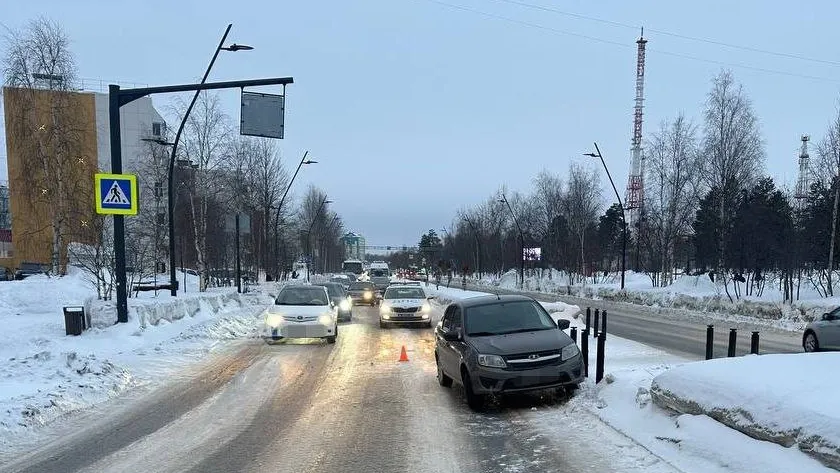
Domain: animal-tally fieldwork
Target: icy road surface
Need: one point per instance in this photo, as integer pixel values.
(348, 407)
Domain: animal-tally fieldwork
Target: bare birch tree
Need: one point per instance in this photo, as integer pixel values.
(732, 146)
(673, 187)
(206, 140)
(40, 70)
(582, 204)
(828, 171)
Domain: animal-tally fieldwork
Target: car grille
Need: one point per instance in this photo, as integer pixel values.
(303, 318)
(405, 310)
(525, 361)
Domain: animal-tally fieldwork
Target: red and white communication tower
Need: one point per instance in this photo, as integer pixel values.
(636, 185)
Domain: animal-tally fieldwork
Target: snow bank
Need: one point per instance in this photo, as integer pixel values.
(46, 374)
(785, 399)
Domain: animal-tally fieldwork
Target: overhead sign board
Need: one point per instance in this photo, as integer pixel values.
(116, 194)
(262, 115)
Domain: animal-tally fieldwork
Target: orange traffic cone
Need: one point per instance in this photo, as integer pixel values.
(403, 354)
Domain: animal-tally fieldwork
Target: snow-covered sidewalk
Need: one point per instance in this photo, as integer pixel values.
(688, 442)
(46, 373)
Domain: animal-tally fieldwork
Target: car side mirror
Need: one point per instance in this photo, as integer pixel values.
(563, 324)
(428, 298)
(452, 335)
(825, 316)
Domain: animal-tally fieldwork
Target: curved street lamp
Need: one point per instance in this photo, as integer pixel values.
(597, 154)
(477, 245)
(303, 161)
(521, 242)
(170, 197)
(324, 202)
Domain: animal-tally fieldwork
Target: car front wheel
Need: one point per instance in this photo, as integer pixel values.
(811, 344)
(475, 401)
(442, 378)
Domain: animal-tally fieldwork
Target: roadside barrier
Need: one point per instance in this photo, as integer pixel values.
(732, 342)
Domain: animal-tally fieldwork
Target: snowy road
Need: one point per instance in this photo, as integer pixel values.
(314, 407)
(679, 334)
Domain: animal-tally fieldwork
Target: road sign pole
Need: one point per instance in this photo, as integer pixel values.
(119, 220)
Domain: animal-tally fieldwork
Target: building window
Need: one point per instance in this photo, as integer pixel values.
(158, 190)
(157, 128)
(161, 218)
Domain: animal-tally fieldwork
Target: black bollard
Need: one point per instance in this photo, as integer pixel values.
(733, 339)
(754, 343)
(588, 318)
(584, 350)
(710, 341)
(599, 358)
(597, 319)
(604, 322)
(573, 334)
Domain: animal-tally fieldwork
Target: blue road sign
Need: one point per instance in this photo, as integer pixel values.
(116, 194)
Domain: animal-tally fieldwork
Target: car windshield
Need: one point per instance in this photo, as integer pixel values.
(506, 317)
(404, 293)
(314, 295)
(361, 286)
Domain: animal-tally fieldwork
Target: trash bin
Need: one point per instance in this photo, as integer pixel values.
(74, 320)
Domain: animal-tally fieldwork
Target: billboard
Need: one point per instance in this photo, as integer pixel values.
(532, 254)
(262, 115)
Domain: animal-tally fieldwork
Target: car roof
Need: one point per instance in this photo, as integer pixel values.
(404, 286)
(490, 299)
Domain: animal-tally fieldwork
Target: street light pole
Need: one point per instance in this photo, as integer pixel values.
(171, 187)
(324, 201)
(303, 161)
(477, 245)
(521, 243)
(597, 154)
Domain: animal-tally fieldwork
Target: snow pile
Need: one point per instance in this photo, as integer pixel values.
(561, 310)
(45, 373)
(690, 293)
(785, 399)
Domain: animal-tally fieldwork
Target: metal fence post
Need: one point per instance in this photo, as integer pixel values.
(710, 341)
(733, 340)
(584, 350)
(599, 358)
(588, 318)
(604, 322)
(597, 319)
(754, 343)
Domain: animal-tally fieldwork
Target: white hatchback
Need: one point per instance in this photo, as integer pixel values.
(301, 311)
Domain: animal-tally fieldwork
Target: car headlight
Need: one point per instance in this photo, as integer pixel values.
(424, 316)
(325, 319)
(569, 351)
(426, 307)
(273, 320)
(344, 305)
(492, 361)
(384, 309)
(368, 295)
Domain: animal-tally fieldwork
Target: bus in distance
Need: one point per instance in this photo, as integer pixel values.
(352, 266)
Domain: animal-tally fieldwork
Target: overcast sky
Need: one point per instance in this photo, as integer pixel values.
(416, 108)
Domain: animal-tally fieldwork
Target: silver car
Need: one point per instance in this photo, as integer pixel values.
(824, 333)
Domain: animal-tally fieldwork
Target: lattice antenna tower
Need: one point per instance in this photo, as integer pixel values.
(803, 183)
(635, 184)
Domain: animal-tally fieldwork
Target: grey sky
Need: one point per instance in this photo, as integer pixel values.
(415, 108)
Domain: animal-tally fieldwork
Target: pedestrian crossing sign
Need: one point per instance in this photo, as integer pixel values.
(116, 194)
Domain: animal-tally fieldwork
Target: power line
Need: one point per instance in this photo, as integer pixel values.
(669, 33)
(624, 45)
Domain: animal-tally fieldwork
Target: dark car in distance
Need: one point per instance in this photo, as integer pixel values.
(504, 344)
(341, 299)
(363, 293)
